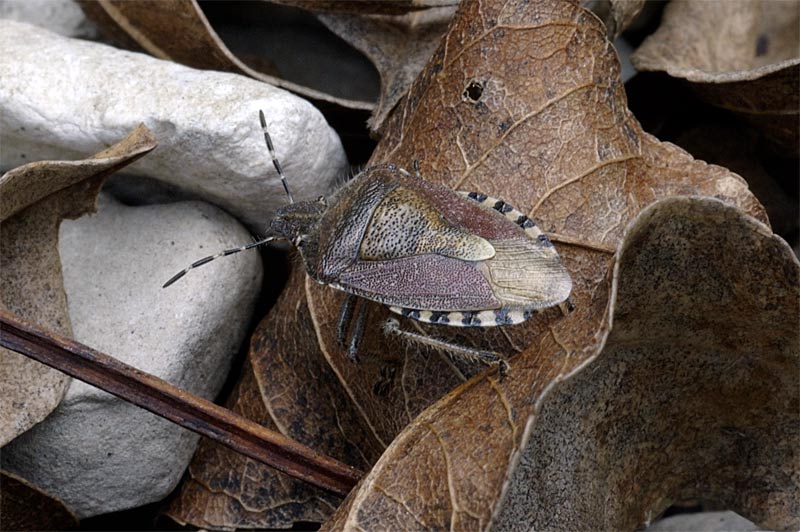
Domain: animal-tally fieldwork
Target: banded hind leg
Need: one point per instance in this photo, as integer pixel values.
(489, 358)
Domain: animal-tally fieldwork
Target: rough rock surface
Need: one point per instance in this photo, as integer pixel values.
(63, 97)
(96, 452)
(64, 17)
(704, 522)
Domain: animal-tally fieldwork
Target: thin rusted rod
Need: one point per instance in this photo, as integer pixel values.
(179, 406)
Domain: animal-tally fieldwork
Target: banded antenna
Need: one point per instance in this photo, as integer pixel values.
(208, 259)
(252, 245)
(275, 160)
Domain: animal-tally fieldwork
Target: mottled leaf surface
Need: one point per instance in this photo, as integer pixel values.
(398, 46)
(694, 395)
(740, 55)
(179, 31)
(36, 197)
(525, 103)
(521, 102)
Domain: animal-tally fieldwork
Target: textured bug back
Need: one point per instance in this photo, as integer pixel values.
(343, 224)
(407, 243)
(404, 224)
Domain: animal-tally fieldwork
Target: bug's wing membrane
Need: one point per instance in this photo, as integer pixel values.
(528, 273)
(431, 282)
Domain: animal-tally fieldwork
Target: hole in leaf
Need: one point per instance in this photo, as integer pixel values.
(762, 45)
(473, 91)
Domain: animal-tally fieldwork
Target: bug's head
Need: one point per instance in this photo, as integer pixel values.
(297, 222)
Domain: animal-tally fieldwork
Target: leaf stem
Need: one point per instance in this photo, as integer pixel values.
(177, 405)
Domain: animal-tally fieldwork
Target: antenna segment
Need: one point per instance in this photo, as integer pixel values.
(227, 252)
(208, 259)
(275, 161)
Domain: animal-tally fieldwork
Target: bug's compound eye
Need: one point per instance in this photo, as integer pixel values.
(473, 91)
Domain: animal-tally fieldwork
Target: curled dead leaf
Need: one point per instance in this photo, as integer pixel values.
(617, 15)
(740, 55)
(545, 124)
(36, 197)
(178, 30)
(694, 394)
(398, 46)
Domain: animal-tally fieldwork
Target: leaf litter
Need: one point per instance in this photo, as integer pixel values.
(36, 197)
(549, 131)
(742, 56)
(527, 105)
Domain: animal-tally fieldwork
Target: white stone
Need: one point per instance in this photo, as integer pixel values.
(64, 17)
(96, 452)
(62, 98)
(704, 522)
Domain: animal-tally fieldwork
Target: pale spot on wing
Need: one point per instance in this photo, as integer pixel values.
(405, 224)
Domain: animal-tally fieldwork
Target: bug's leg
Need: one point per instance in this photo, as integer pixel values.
(345, 317)
(416, 170)
(358, 333)
(489, 358)
(567, 307)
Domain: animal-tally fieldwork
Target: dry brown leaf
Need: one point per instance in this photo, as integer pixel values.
(287, 386)
(694, 395)
(179, 31)
(364, 7)
(398, 46)
(617, 15)
(551, 132)
(226, 490)
(36, 197)
(24, 507)
(736, 148)
(740, 55)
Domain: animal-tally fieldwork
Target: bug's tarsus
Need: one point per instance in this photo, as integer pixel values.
(567, 307)
(405, 172)
(392, 327)
(415, 165)
(275, 162)
(224, 253)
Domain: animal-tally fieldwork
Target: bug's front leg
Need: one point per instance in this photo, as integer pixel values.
(350, 306)
(489, 358)
(358, 332)
(345, 317)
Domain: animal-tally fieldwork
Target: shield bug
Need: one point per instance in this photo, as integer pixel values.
(426, 252)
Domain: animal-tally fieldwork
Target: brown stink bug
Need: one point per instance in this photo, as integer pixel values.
(428, 253)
